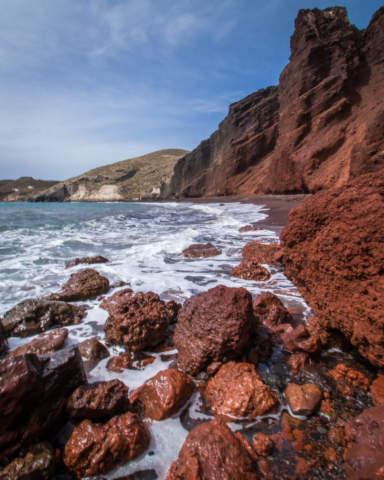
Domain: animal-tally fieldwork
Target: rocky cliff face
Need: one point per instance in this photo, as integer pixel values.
(321, 127)
(133, 179)
(22, 189)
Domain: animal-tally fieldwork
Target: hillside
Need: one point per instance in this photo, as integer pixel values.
(22, 189)
(132, 179)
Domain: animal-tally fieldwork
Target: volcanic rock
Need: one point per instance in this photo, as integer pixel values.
(357, 379)
(263, 444)
(87, 260)
(92, 350)
(164, 394)
(3, 340)
(364, 459)
(211, 451)
(336, 436)
(173, 309)
(248, 228)
(48, 342)
(298, 339)
(98, 400)
(237, 391)
(250, 270)
(377, 390)
(37, 464)
(33, 393)
(297, 361)
(135, 321)
(212, 325)
(120, 363)
(303, 399)
(269, 310)
(35, 316)
(94, 449)
(329, 338)
(198, 250)
(82, 285)
(260, 252)
(334, 252)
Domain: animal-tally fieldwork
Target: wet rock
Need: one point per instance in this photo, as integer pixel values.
(82, 285)
(330, 338)
(87, 260)
(260, 252)
(357, 379)
(270, 311)
(33, 393)
(248, 228)
(364, 459)
(237, 391)
(198, 251)
(213, 368)
(317, 377)
(173, 309)
(212, 325)
(303, 399)
(298, 361)
(250, 270)
(48, 342)
(263, 444)
(120, 363)
(92, 350)
(164, 394)
(98, 400)
(94, 449)
(119, 283)
(298, 339)
(31, 317)
(377, 390)
(135, 321)
(272, 381)
(3, 340)
(212, 451)
(247, 446)
(336, 436)
(37, 464)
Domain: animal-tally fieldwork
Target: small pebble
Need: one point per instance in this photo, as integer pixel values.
(322, 430)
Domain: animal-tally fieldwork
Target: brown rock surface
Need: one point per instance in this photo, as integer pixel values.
(87, 261)
(35, 316)
(260, 252)
(364, 459)
(120, 363)
(212, 452)
(92, 350)
(94, 449)
(37, 464)
(48, 342)
(270, 311)
(250, 270)
(82, 285)
(377, 390)
(334, 255)
(212, 325)
(198, 250)
(357, 379)
(135, 321)
(303, 399)
(237, 391)
(297, 339)
(97, 400)
(164, 394)
(3, 340)
(263, 444)
(297, 361)
(248, 228)
(173, 309)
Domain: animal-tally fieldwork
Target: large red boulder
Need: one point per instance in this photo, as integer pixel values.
(212, 452)
(237, 391)
(135, 321)
(214, 324)
(200, 250)
(377, 390)
(334, 254)
(260, 252)
(270, 311)
(94, 449)
(364, 459)
(250, 270)
(48, 342)
(164, 394)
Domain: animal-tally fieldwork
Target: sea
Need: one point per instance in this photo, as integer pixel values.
(144, 244)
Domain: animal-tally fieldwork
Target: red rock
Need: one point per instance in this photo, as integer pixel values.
(213, 325)
(237, 391)
(298, 339)
(82, 285)
(211, 451)
(164, 394)
(94, 449)
(330, 455)
(303, 399)
(92, 350)
(260, 252)
(364, 459)
(197, 251)
(263, 465)
(263, 444)
(120, 363)
(298, 361)
(246, 445)
(173, 309)
(48, 342)
(248, 228)
(329, 338)
(38, 463)
(97, 400)
(357, 379)
(268, 308)
(326, 407)
(377, 390)
(301, 466)
(86, 260)
(337, 437)
(135, 321)
(250, 270)
(213, 368)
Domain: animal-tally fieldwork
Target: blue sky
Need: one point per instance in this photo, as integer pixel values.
(84, 83)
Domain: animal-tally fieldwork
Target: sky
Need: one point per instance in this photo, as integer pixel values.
(85, 83)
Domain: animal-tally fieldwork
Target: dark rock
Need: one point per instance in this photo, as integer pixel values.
(119, 283)
(211, 451)
(269, 310)
(3, 340)
(93, 351)
(248, 228)
(250, 270)
(303, 399)
(198, 251)
(87, 260)
(135, 321)
(98, 400)
(273, 381)
(173, 309)
(314, 375)
(94, 449)
(48, 342)
(37, 464)
(214, 324)
(35, 316)
(298, 361)
(164, 394)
